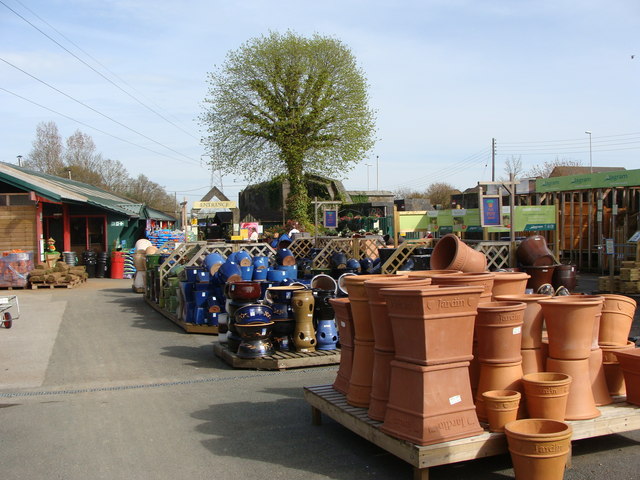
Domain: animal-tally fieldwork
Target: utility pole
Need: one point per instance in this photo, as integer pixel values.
(493, 159)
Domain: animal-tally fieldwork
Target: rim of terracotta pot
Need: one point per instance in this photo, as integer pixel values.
(506, 395)
(574, 299)
(622, 298)
(398, 280)
(356, 279)
(524, 297)
(500, 306)
(630, 354)
(539, 428)
(431, 273)
(548, 378)
(511, 275)
(616, 346)
(428, 290)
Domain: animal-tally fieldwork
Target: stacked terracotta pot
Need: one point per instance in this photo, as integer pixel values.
(572, 323)
(536, 260)
(615, 327)
(430, 399)
(344, 321)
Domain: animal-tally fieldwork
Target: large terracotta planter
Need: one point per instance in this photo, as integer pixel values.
(630, 364)
(598, 380)
(342, 309)
(484, 279)
(380, 384)
(432, 325)
(501, 407)
(498, 328)
(502, 376)
(539, 448)
(532, 320)
(546, 394)
(509, 283)
(533, 251)
(382, 332)
(451, 253)
(430, 404)
(612, 371)
(581, 404)
(570, 325)
(540, 275)
(532, 360)
(616, 320)
(363, 328)
(361, 378)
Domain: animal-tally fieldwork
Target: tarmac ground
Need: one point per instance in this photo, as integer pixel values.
(94, 384)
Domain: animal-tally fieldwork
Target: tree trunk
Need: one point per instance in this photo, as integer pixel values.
(298, 199)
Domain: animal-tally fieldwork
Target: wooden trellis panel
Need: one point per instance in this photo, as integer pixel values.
(256, 249)
(368, 247)
(185, 254)
(402, 253)
(344, 245)
(301, 247)
(497, 254)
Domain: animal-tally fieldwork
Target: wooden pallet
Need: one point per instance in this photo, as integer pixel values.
(278, 361)
(36, 286)
(13, 287)
(616, 418)
(187, 327)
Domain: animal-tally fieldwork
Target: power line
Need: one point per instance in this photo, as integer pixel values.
(93, 109)
(91, 67)
(89, 126)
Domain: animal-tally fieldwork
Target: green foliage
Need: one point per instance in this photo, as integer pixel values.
(283, 103)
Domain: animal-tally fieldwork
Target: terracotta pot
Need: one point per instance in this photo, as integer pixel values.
(474, 369)
(505, 376)
(581, 404)
(344, 321)
(539, 448)
(612, 371)
(383, 335)
(539, 276)
(380, 384)
(343, 377)
(630, 364)
(430, 404)
(564, 276)
(304, 337)
(484, 279)
(501, 407)
(532, 320)
(509, 283)
(498, 328)
(616, 320)
(363, 328)
(430, 273)
(451, 253)
(598, 380)
(361, 378)
(532, 360)
(546, 394)
(432, 325)
(533, 251)
(570, 324)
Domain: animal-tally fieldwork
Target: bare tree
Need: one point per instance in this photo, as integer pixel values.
(114, 175)
(46, 154)
(513, 165)
(547, 167)
(408, 193)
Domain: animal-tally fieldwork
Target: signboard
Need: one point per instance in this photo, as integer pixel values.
(609, 246)
(490, 209)
(331, 218)
(529, 218)
(219, 204)
(618, 178)
(634, 238)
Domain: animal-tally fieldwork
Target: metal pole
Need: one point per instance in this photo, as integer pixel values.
(493, 160)
(377, 172)
(512, 249)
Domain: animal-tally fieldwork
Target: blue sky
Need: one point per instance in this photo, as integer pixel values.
(446, 76)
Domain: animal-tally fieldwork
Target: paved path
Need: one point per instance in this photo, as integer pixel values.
(94, 384)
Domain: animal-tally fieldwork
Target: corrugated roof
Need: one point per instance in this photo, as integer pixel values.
(69, 191)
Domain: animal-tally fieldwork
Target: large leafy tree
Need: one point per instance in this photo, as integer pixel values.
(283, 103)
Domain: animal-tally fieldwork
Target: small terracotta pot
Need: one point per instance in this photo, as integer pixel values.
(616, 320)
(612, 371)
(506, 376)
(630, 364)
(430, 404)
(363, 328)
(484, 279)
(570, 324)
(501, 407)
(533, 251)
(532, 320)
(451, 253)
(432, 325)
(382, 332)
(580, 403)
(539, 448)
(509, 283)
(598, 380)
(532, 360)
(498, 328)
(546, 394)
